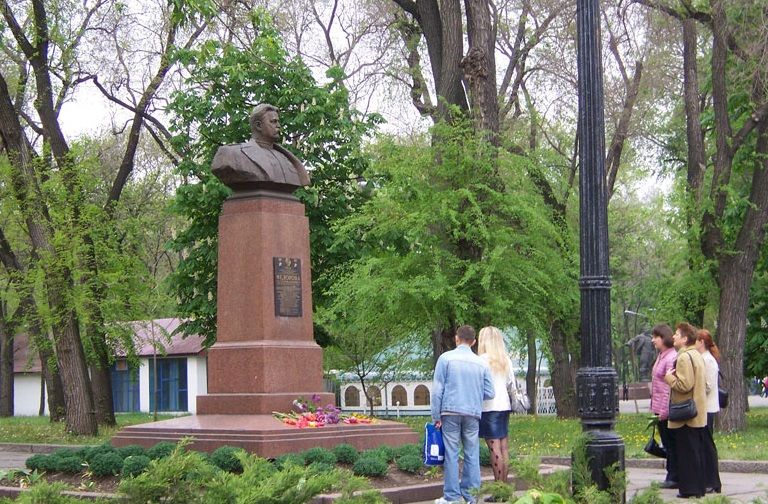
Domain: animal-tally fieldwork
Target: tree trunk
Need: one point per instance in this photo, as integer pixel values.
(78, 397)
(6, 368)
(101, 383)
(562, 373)
(442, 341)
(57, 407)
(530, 374)
(479, 67)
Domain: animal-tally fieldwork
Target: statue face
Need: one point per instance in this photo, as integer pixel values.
(270, 126)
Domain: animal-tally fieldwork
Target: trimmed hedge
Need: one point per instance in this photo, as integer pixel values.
(160, 450)
(370, 466)
(105, 464)
(133, 465)
(319, 454)
(345, 453)
(224, 458)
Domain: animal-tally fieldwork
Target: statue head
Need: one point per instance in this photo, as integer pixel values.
(265, 123)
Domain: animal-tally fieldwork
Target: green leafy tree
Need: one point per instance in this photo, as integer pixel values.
(415, 275)
(319, 126)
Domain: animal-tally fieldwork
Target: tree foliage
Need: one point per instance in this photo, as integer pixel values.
(318, 125)
(414, 269)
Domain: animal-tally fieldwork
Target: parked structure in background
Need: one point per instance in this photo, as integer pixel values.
(171, 370)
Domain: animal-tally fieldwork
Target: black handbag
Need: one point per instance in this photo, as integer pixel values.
(685, 410)
(722, 394)
(654, 448)
(682, 411)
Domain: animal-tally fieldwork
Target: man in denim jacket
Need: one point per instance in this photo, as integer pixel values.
(462, 382)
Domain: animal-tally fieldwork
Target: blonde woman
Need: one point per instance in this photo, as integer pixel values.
(494, 422)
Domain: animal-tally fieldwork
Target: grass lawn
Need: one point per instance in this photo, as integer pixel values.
(546, 435)
(36, 429)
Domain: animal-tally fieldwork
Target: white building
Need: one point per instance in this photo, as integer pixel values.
(171, 368)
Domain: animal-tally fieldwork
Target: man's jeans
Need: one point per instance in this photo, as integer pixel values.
(464, 428)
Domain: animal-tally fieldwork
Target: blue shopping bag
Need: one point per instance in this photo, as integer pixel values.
(434, 449)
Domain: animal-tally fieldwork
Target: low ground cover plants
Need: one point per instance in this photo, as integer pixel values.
(171, 473)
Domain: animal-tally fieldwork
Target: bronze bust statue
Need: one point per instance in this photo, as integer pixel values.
(260, 163)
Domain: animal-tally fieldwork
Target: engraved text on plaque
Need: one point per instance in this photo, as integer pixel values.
(287, 276)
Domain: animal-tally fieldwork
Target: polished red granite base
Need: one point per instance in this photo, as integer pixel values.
(263, 434)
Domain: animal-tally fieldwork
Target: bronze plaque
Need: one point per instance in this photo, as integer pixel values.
(287, 276)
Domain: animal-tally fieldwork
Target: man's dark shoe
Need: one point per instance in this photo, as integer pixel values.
(668, 484)
(688, 496)
(713, 490)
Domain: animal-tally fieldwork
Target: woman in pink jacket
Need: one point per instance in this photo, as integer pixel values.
(662, 339)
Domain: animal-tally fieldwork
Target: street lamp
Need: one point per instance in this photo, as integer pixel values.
(596, 379)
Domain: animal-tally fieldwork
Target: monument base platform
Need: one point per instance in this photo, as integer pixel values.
(263, 435)
(254, 404)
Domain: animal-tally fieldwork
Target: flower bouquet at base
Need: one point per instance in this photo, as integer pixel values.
(309, 414)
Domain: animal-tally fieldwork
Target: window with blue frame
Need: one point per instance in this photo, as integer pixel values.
(171, 383)
(125, 387)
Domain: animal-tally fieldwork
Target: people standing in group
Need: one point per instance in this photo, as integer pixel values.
(661, 336)
(693, 441)
(711, 355)
(494, 422)
(461, 383)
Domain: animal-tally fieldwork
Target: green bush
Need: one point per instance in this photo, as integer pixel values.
(92, 452)
(287, 459)
(409, 449)
(370, 465)
(387, 453)
(224, 458)
(409, 463)
(130, 450)
(320, 467)
(69, 452)
(319, 454)
(161, 450)
(71, 465)
(105, 464)
(178, 478)
(133, 465)
(40, 462)
(345, 453)
(46, 493)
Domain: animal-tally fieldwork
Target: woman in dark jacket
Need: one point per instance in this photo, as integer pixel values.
(693, 440)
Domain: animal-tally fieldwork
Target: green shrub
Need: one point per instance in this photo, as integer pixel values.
(224, 458)
(409, 449)
(370, 466)
(161, 450)
(179, 478)
(92, 452)
(345, 453)
(39, 462)
(46, 493)
(485, 455)
(71, 465)
(69, 452)
(127, 451)
(287, 459)
(319, 454)
(105, 464)
(133, 465)
(387, 453)
(320, 467)
(409, 463)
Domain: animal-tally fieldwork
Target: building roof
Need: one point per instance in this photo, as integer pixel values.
(160, 331)
(146, 332)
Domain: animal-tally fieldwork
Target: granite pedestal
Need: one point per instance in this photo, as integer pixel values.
(265, 355)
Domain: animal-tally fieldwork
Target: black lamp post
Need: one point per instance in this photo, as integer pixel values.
(596, 379)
